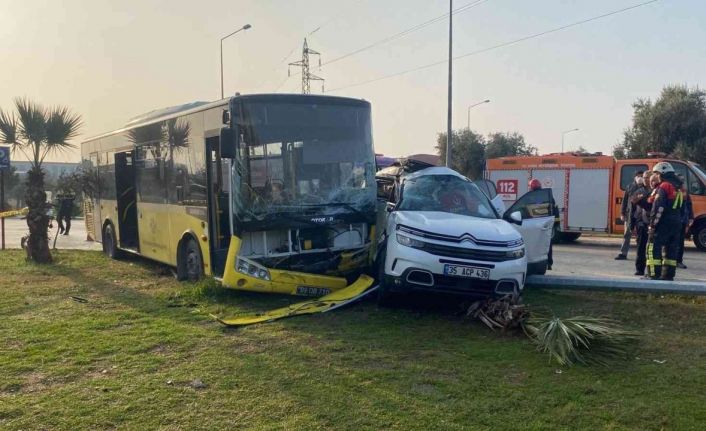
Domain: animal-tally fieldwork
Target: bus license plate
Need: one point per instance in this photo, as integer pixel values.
(467, 272)
(312, 291)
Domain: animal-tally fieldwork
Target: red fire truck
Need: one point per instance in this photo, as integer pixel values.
(589, 188)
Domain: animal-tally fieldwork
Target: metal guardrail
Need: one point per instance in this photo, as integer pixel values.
(617, 285)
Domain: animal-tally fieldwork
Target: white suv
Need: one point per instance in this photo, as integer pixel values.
(443, 234)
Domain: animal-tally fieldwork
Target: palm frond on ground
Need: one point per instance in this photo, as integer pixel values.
(581, 339)
(567, 341)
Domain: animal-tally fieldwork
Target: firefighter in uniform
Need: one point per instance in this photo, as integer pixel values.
(665, 222)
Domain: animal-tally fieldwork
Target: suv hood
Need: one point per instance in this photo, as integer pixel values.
(457, 225)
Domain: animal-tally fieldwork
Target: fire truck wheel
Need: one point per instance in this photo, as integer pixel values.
(699, 235)
(570, 236)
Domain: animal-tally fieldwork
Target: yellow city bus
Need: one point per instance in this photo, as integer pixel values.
(265, 192)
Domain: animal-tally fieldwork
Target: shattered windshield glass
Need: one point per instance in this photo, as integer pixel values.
(445, 193)
(297, 157)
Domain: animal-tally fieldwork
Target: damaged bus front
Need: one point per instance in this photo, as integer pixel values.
(302, 195)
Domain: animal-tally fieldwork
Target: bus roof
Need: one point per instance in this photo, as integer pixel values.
(164, 114)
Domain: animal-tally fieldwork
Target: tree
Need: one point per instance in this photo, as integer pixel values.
(674, 124)
(35, 132)
(508, 144)
(467, 152)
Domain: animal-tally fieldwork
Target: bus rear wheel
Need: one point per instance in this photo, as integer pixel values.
(110, 245)
(191, 262)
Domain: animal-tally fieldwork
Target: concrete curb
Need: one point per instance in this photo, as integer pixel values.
(615, 285)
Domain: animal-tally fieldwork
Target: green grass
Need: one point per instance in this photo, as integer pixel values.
(125, 359)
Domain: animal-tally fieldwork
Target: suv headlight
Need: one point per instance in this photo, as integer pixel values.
(409, 242)
(248, 267)
(516, 254)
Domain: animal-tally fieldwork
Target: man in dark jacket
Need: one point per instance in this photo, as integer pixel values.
(63, 216)
(626, 216)
(687, 219)
(641, 219)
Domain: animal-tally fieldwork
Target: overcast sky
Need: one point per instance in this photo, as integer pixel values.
(112, 60)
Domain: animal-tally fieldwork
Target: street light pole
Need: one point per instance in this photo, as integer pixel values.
(564, 134)
(449, 129)
(473, 106)
(245, 27)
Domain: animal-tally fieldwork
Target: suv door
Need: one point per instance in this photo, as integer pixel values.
(537, 209)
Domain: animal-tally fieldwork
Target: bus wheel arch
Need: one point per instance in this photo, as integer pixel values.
(110, 240)
(189, 258)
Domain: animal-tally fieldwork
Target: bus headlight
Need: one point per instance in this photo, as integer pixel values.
(248, 267)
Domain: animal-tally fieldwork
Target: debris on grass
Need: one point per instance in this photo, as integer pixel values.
(567, 341)
(197, 384)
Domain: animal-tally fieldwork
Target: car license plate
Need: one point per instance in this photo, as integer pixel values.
(467, 272)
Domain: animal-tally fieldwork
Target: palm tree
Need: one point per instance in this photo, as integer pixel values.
(35, 132)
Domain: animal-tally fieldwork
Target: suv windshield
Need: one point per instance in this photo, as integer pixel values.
(296, 155)
(445, 193)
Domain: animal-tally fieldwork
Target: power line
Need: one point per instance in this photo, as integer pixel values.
(502, 45)
(291, 51)
(307, 76)
(406, 32)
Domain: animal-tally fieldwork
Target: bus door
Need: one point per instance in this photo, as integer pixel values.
(218, 205)
(95, 214)
(126, 195)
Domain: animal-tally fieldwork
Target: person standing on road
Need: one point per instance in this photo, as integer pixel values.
(56, 211)
(641, 220)
(66, 206)
(687, 219)
(626, 216)
(665, 222)
(533, 185)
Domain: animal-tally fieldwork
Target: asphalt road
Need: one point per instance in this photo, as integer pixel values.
(16, 228)
(589, 256)
(594, 257)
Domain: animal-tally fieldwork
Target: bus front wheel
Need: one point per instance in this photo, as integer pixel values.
(191, 262)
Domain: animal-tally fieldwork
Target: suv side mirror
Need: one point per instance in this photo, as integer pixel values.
(515, 217)
(390, 207)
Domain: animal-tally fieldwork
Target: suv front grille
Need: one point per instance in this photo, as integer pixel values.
(466, 253)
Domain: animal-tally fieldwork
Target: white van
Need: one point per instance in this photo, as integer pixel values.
(444, 234)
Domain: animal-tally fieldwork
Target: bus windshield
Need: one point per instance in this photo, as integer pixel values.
(302, 156)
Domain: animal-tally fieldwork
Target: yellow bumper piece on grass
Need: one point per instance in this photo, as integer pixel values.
(329, 302)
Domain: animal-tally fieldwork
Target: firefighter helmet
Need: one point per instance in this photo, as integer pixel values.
(534, 184)
(663, 168)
